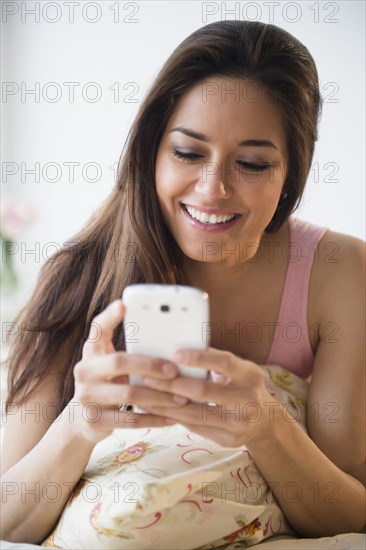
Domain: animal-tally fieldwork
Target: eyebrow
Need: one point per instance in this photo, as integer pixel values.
(202, 137)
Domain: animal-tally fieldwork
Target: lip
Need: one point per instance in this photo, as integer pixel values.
(220, 227)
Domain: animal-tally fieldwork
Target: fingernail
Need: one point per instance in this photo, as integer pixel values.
(180, 399)
(219, 378)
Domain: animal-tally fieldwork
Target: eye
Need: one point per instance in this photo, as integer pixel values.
(250, 167)
(245, 166)
(189, 157)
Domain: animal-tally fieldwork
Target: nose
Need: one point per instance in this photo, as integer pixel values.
(213, 184)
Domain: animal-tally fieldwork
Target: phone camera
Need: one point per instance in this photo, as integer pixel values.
(164, 308)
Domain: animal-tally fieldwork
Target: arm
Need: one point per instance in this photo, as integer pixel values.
(317, 497)
(329, 467)
(316, 480)
(49, 454)
(338, 382)
(41, 464)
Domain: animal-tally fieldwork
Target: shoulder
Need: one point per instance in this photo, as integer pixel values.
(339, 269)
(337, 285)
(341, 249)
(339, 259)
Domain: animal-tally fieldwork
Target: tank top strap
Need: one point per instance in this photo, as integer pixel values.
(291, 346)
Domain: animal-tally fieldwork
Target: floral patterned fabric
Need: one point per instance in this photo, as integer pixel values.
(164, 488)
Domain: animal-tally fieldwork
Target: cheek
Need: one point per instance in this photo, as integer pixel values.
(263, 192)
(169, 182)
(161, 176)
(272, 184)
(165, 183)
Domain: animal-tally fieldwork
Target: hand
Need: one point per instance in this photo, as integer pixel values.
(101, 382)
(232, 411)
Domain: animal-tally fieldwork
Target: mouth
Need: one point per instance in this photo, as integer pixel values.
(210, 216)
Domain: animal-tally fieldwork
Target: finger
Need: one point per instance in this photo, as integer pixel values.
(206, 414)
(222, 362)
(113, 365)
(115, 395)
(206, 420)
(102, 328)
(220, 378)
(195, 389)
(233, 416)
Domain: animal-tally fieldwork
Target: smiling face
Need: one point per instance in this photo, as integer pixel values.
(220, 167)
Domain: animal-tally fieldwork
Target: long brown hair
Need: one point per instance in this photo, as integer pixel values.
(126, 241)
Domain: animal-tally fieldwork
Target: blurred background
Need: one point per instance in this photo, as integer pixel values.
(73, 76)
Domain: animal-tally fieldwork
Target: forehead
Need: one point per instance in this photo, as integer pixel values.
(242, 107)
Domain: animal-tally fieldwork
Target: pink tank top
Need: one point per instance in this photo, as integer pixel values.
(291, 347)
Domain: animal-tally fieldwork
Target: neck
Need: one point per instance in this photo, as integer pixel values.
(227, 274)
(216, 277)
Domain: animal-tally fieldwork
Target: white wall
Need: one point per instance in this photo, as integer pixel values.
(131, 50)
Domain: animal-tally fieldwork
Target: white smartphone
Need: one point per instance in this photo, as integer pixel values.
(160, 319)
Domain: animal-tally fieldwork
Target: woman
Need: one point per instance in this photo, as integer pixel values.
(215, 164)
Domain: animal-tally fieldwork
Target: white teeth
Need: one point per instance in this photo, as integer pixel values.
(203, 217)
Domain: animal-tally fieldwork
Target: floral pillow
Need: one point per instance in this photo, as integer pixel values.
(163, 488)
